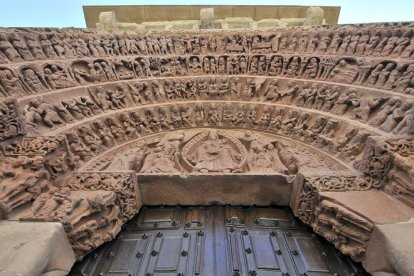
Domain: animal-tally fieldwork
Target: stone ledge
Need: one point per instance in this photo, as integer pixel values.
(31, 248)
(377, 206)
(391, 250)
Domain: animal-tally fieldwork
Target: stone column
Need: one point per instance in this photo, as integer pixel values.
(107, 21)
(314, 16)
(207, 18)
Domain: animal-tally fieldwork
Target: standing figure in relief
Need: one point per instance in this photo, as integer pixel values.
(373, 77)
(213, 117)
(7, 49)
(206, 66)
(292, 70)
(272, 92)
(235, 87)
(33, 81)
(392, 104)
(243, 65)
(345, 100)
(222, 65)
(406, 126)
(397, 115)
(34, 47)
(199, 114)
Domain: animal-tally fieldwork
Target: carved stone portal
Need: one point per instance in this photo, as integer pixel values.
(94, 124)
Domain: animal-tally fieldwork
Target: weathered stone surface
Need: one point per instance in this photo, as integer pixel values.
(33, 248)
(314, 16)
(259, 190)
(270, 23)
(207, 18)
(371, 204)
(203, 117)
(391, 250)
(147, 13)
(107, 21)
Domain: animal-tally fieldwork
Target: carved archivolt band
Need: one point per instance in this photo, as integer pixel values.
(337, 100)
(337, 137)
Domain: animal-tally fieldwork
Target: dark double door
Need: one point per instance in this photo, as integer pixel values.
(216, 240)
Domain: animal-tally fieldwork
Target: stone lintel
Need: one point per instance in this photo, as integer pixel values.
(210, 189)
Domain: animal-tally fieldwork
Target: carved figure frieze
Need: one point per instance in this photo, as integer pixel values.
(28, 168)
(260, 154)
(122, 184)
(11, 119)
(214, 151)
(393, 161)
(90, 218)
(286, 101)
(348, 231)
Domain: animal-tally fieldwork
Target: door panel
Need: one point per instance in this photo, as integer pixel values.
(215, 240)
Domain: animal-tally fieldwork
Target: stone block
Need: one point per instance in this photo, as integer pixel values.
(34, 248)
(264, 12)
(314, 16)
(207, 18)
(184, 25)
(107, 21)
(391, 250)
(129, 27)
(237, 22)
(242, 11)
(247, 190)
(292, 21)
(270, 23)
(377, 206)
(155, 13)
(156, 26)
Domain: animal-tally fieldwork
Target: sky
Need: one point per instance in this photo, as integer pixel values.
(69, 13)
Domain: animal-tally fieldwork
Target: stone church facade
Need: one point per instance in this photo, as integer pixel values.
(95, 125)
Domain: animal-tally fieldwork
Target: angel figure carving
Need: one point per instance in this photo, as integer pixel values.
(165, 157)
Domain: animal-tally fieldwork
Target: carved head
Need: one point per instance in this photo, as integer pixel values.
(213, 135)
(406, 106)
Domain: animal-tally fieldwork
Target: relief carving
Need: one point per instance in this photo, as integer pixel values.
(214, 152)
(11, 120)
(28, 168)
(348, 231)
(90, 218)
